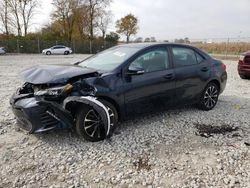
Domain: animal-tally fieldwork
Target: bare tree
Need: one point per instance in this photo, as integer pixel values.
(83, 15)
(105, 19)
(15, 20)
(27, 10)
(65, 13)
(94, 7)
(82, 21)
(21, 13)
(4, 17)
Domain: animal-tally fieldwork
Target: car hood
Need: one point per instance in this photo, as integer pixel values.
(51, 74)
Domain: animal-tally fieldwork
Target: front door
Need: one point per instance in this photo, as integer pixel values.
(154, 89)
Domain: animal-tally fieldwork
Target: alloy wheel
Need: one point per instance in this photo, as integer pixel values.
(93, 124)
(211, 97)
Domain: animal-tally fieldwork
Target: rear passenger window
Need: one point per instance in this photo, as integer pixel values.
(184, 56)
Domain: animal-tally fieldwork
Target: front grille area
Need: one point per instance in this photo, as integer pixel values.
(48, 120)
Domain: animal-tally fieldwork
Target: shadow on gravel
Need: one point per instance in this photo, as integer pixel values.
(209, 130)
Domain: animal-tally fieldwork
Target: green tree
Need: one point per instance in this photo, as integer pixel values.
(127, 25)
(112, 37)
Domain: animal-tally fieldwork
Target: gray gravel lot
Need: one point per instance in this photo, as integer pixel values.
(160, 150)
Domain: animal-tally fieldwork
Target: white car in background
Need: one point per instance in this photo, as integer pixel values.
(2, 50)
(58, 49)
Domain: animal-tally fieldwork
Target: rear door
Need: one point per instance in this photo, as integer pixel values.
(55, 50)
(192, 72)
(61, 50)
(154, 89)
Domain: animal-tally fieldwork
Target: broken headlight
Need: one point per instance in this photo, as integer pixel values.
(55, 91)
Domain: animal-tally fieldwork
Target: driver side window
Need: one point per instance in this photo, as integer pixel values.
(151, 61)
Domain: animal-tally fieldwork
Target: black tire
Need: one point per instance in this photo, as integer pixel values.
(66, 53)
(48, 53)
(209, 97)
(243, 77)
(85, 129)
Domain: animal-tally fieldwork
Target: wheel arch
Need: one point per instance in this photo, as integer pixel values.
(73, 103)
(113, 102)
(217, 82)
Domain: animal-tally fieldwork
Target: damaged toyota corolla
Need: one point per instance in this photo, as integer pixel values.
(94, 94)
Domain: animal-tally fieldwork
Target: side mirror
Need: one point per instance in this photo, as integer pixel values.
(135, 71)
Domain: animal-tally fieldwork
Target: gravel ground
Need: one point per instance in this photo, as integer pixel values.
(182, 147)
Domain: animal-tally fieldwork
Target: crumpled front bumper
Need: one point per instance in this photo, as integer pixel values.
(37, 115)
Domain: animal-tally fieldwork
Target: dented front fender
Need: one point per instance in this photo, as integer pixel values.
(96, 105)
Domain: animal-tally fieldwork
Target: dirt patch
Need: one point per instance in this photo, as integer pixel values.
(205, 130)
(142, 163)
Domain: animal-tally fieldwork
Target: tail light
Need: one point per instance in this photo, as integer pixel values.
(223, 66)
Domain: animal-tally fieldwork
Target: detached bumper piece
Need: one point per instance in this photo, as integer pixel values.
(37, 116)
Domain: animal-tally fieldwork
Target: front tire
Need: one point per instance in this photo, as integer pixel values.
(48, 53)
(66, 53)
(89, 124)
(209, 97)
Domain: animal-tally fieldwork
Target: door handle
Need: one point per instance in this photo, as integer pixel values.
(169, 76)
(204, 69)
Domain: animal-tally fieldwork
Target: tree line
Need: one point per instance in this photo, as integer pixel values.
(78, 20)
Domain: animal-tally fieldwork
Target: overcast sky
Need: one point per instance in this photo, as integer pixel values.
(169, 19)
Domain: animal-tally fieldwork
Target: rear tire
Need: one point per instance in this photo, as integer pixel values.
(89, 124)
(209, 97)
(243, 77)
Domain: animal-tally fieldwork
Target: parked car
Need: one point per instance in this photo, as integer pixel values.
(58, 49)
(2, 50)
(244, 65)
(93, 95)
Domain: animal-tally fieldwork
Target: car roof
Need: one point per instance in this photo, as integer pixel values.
(143, 45)
(151, 44)
(246, 53)
(59, 46)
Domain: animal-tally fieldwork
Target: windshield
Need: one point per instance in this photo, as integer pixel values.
(109, 59)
